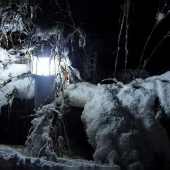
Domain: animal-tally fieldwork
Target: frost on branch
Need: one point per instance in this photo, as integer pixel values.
(82, 35)
(47, 137)
(15, 19)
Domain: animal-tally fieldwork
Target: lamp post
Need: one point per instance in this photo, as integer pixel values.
(43, 71)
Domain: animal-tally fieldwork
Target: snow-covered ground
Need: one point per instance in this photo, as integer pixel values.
(13, 157)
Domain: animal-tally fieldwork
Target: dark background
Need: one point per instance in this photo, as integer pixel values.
(101, 21)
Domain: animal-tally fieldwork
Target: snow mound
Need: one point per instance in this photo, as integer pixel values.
(122, 121)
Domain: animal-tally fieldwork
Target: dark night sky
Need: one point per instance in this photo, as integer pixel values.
(102, 16)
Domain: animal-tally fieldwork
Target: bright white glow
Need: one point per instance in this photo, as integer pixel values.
(44, 66)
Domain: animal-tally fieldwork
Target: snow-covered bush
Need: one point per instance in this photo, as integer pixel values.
(13, 82)
(47, 137)
(38, 140)
(122, 120)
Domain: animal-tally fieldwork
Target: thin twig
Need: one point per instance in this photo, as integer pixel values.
(156, 24)
(126, 36)
(118, 48)
(146, 62)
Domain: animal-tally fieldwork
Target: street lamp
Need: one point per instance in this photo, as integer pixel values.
(43, 70)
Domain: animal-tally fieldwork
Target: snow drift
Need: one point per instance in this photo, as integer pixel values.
(122, 121)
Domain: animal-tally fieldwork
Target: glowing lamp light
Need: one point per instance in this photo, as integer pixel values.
(44, 66)
(43, 71)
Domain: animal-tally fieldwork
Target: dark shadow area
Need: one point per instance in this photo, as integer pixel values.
(77, 136)
(14, 124)
(166, 124)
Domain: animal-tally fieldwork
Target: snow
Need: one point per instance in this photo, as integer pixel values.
(13, 157)
(83, 90)
(121, 120)
(160, 16)
(159, 86)
(11, 79)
